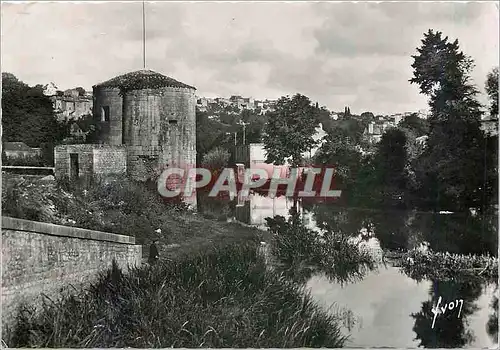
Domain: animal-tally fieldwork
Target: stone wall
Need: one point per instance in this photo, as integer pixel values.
(42, 258)
(93, 159)
(62, 160)
(110, 160)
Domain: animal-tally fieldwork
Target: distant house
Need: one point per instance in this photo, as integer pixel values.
(222, 101)
(254, 156)
(202, 102)
(50, 89)
(72, 105)
(20, 150)
(373, 132)
(235, 98)
(318, 136)
(423, 113)
(249, 102)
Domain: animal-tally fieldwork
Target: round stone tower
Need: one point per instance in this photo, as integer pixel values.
(107, 111)
(153, 115)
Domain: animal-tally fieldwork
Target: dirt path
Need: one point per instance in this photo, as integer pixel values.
(192, 232)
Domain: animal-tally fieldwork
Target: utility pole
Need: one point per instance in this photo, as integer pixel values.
(244, 129)
(144, 34)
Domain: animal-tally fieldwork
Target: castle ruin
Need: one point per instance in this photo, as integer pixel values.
(149, 115)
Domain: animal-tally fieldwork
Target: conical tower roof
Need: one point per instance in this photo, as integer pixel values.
(143, 79)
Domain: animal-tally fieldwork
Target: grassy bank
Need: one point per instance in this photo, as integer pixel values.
(121, 206)
(420, 265)
(222, 297)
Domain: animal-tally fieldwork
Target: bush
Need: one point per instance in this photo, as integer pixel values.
(420, 265)
(216, 159)
(24, 161)
(303, 251)
(112, 204)
(218, 298)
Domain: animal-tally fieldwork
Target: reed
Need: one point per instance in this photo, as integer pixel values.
(222, 297)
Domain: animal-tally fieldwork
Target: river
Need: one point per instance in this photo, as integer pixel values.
(386, 308)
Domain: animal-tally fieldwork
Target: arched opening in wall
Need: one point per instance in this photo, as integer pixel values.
(105, 114)
(172, 122)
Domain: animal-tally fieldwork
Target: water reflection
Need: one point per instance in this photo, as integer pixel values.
(328, 253)
(458, 233)
(303, 252)
(492, 325)
(450, 329)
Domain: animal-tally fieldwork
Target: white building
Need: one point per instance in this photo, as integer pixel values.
(318, 136)
(50, 89)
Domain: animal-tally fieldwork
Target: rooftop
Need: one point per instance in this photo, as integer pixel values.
(16, 146)
(143, 79)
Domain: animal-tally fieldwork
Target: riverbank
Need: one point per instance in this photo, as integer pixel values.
(119, 206)
(211, 288)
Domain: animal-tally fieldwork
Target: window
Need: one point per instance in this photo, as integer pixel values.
(172, 122)
(105, 114)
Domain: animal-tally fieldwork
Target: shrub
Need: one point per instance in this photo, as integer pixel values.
(24, 161)
(420, 265)
(303, 251)
(216, 159)
(113, 204)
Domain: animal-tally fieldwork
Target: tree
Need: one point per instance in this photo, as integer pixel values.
(325, 119)
(353, 127)
(418, 125)
(367, 116)
(390, 162)
(216, 159)
(339, 150)
(256, 123)
(289, 130)
(492, 325)
(81, 91)
(209, 134)
(452, 165)
(27, 114)
(491, 88)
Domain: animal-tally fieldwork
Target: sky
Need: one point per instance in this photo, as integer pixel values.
(338, 54)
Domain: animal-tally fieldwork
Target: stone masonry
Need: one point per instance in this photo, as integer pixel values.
(42, 258)
(92, 159)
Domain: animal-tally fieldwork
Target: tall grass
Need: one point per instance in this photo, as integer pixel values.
(28, 160)
(224, 297)
(427, 264)
(113, 204)
(216, 159)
